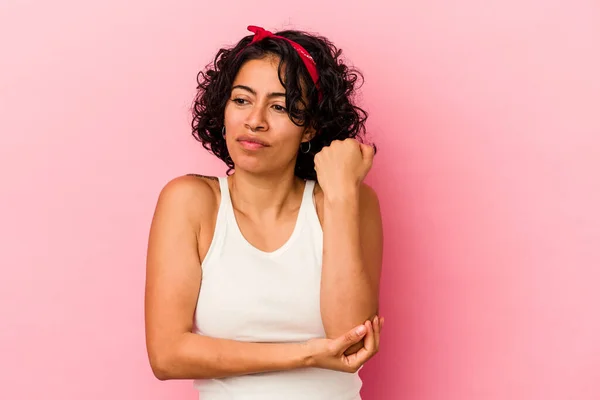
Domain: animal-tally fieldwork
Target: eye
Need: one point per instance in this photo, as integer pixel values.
(279, 108)
(239, 101)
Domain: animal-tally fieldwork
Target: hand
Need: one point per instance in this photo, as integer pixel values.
(329, 353)
(342, 166)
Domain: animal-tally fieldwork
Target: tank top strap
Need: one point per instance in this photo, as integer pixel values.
(225, 197)
(307, 197)
(309, 207)
(225, 205)
(220, 226)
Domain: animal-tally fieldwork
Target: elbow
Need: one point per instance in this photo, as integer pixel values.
(166, 358)
(161, 365)
(161, 374)
(334, 329)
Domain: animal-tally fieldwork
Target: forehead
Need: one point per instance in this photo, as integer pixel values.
(260, 74)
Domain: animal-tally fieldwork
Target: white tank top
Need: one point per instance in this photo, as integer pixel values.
(255, 296)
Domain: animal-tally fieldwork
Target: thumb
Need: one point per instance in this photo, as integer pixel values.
(351, 337)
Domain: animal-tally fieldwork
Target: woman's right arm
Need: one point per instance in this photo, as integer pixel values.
(173, 278)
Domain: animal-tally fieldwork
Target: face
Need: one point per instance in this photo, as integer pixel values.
(260, 136)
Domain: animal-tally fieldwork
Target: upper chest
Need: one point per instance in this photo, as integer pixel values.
(265, 236)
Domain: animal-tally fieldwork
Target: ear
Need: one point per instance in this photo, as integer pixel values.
(309, 134)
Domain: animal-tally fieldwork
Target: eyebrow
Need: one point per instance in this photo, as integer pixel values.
(249, 89)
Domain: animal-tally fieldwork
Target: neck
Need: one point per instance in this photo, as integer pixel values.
(265, 196)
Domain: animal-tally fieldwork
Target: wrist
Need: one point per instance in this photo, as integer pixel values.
(348, 195)
(304, 355)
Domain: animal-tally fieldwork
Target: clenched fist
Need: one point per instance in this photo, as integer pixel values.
(342, 166)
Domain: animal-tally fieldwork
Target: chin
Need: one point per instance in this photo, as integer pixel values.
(252, 164)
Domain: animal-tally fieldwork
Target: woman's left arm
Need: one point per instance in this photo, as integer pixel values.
(352, 258)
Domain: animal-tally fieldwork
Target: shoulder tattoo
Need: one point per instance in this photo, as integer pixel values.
(212, 178)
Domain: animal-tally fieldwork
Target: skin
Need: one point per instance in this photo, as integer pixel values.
(266, 197)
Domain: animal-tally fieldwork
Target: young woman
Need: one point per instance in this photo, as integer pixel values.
(263, 284)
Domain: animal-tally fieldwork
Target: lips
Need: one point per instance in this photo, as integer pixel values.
(252, 143)
(250, 139)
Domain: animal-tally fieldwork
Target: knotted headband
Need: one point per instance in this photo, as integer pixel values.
(309, 62)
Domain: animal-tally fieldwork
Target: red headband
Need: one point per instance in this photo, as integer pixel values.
(309, 62)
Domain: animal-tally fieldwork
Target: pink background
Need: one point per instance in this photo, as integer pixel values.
(487, 115)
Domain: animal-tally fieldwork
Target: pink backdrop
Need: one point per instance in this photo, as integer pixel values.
(487, 118)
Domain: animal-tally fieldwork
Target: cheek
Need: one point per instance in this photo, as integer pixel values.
(287, 148)
(232, 116)
(288, 135)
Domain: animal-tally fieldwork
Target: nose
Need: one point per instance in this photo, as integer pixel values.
(256, 120)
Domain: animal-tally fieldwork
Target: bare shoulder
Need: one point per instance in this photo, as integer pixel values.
(193, 195)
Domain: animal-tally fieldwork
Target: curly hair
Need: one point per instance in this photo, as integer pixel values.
(334, 117)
